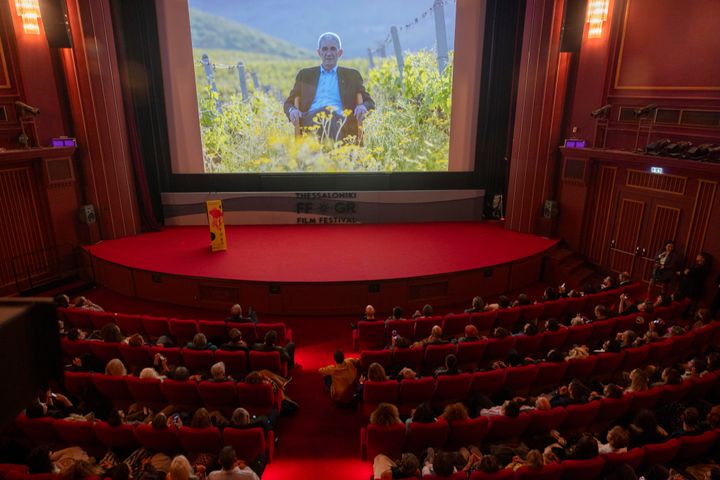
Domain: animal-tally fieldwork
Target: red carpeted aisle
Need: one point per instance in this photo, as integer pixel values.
(324, 253)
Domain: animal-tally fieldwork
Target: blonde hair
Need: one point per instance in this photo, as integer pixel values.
(534, 459)
(638, 381)
(115, 368)
(376, 373)
(180, 469)
(618, 437)
(455, 412)
(148, 372)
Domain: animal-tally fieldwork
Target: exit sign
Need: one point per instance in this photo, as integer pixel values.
(658, 170)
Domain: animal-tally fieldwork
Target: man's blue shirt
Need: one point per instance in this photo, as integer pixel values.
(328, 91)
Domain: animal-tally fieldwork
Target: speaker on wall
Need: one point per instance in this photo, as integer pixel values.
(573, 25)
(55, 20)
(87, 214)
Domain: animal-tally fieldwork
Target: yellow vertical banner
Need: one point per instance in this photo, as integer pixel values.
(216, 222)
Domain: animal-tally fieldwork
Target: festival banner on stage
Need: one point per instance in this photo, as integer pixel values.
(216, 222)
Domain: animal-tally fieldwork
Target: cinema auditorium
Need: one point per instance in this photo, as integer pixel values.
(504, 266)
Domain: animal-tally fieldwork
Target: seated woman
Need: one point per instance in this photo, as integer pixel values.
(534, 459)
(617, 441)
(422, 414)
(471, 334)
(385, 414)
(478, 305)
(236, 342)
(638, 381)
(455, 412)
(435, 338)
(450, 367)
(376, 373)
(200, 342)
(115, 368)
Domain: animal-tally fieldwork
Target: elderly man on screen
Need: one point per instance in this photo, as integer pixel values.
(331, 90)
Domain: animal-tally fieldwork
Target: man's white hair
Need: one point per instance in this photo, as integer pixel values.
(330, 35)
(218, 370)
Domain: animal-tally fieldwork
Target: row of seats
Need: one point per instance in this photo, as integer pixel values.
(474, 354)
(248, 443)
(454, 324)
(684, 449)
(237, 363)
(182, 331)
(409, 393)
(595, 415)
(258, 399)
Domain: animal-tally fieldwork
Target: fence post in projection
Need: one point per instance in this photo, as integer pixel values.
(243, 84)
(210, 76)
(398, 51)
(440, 35)
(370, 58)
(256, 82)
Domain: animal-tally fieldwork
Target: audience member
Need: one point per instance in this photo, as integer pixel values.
(231, 467)
(341, 377)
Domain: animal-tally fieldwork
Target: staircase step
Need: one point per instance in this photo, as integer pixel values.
(572, 264)
(560, 254)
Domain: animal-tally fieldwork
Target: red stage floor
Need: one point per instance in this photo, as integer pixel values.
(324, 253)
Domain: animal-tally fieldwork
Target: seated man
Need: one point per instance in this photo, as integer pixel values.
(236, 315)
(329, 89)
(287, 353)
(341, 378)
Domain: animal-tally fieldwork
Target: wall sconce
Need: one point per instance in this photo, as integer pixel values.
(597, 14)
(29, 11)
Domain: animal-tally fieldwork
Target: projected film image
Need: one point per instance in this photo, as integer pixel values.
(317, 86)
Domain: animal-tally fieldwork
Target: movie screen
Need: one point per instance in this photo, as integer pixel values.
(324, 86)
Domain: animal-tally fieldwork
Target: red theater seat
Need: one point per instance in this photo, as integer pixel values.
(508, 317)
(388, 440)
(172, 354)
(155, 326)
(455, 476)
(183, 331)
(105, 351)
(576, 305)
(529, 313)
(581, 368)
(257, 399)
(408, 357)
(74, 348)
(129, 324)
(78, 318)
(197, 361)
(700, 386)
(498, 348)
(369, 335)
(647, 398)
(200, 440)
(662, 453)
(215, 331)
(404, 328)
(435, 356)
(527, 345)
(136, 356)
(575, 469)
(267, 361)
(487, 383)
(423, 326)
(114, 388)
(602, 330)
(634, 357)
(367, 357)
(504, 428)
(555, 308)
(595, 299)
(579, 417)
(282, 332)
(551, 471)
(579, 335)
(76, 433)
(451, 389)
(76, 383)
(695, 446)
(633, 457)
(625, 322)
(468, 432)
(471, 354)
(248, 331)
(550, 374)
(375, 393)
(484, 321)
(420, 436)
(146, 391)
(219, 395)
(236, 362)
(659, 352)
(675, 393)
(612, 409)
(163, 440)
(181, 393)
(520, 379)
(502, 474)
(607, 364)
(248, 442)
(39, 430)
(121, 437)
(554, 340)
(414, 392)
(542, 421)
(453, 325)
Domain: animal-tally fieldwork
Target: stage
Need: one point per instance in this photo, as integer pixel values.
(321, 269)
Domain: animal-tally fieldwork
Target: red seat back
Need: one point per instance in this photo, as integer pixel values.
(659, 352)
(404, 328)
(162, 440)
(371, 335)
(248, 331)
(420, 436)
(591, 468)
(388, 440)
(114, 388)
(247, 442)
(236, 362)
(146, 390)
(367, 357)
(135, 356)
(602, 330)
(155, 326)
(197, 361)
(200, 440)
(408, 357)
(173, 354)
(181, 393)
(551, 471)
(414, 392)
(554, 340)
(423, 326)
(375, 393)
(435, 356)
(542, 421)
(121, 437)
(579, 335)
(633, 457)
(471, 354)
(129, 324)
(451, 389)
(183, 331)
(520, 379)
(581, 367)
(105, 351)
(453, 325)
(74, 348)
(662, 453)
(215, 331)
(266, 361)
(484, 321)
(576, 305)
(695, 446)
(526, 345)
(555, 308)
(258, 399)
(579, 417)
(39, 430)
(506, 428)
(675, 393)
(468, 432)
(487, 383)
(219, 395)
(646, 399)
(78, 318)
(508, 317)
(531, 312)
(612, 409)
(76, 383)
(607, 364)
(498, 348)
(502, 474)
(262, 328)
(76, 433)
(549, 374)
